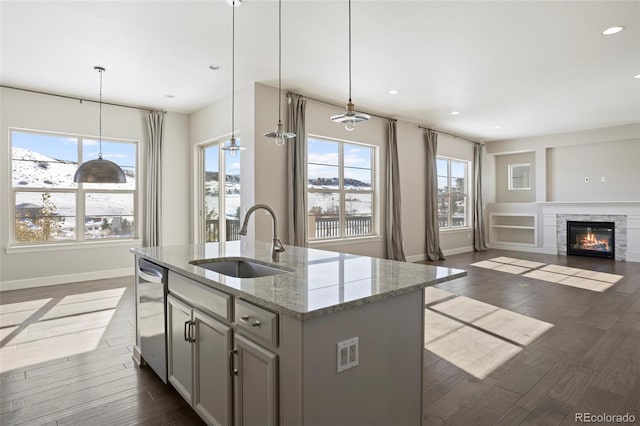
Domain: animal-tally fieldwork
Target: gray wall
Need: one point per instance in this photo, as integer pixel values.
(617, 163)
(562, 161)
(503, 194)
(34, 266)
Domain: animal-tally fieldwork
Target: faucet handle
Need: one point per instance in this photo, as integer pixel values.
(278, 246)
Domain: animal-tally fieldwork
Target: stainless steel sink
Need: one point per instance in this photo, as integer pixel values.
(241, 267)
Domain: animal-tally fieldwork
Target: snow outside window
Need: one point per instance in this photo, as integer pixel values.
(341, 191)
(49, 207)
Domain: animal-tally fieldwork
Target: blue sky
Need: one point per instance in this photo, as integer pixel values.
(211, 160)
(63, 147)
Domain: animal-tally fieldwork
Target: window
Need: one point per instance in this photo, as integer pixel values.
(49, 205)
(519, 176)
(452, 193)
(341, 189)
(216, 227)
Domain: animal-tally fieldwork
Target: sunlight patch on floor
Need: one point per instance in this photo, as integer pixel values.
(42, 331)
(476, 336)
(469, 349)
(574, 277)
(515, 327)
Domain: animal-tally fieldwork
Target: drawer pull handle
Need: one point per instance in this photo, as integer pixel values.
(245, 318)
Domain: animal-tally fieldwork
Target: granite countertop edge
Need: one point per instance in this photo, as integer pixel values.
(314, 313)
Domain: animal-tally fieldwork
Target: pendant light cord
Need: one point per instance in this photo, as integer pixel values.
(349, 51)
(233, 72)
(279, 61)
(100, 123)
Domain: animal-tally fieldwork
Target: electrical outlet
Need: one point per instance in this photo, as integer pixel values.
(347, 354)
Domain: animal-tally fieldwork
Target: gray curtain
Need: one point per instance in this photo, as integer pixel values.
(479, 234)
(297, 172)
(395, 251)
(433, 250)
(153, 195)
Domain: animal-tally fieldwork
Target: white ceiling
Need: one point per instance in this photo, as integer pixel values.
(531, 67)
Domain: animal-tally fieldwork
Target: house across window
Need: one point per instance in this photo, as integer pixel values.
(50, 207)
(341, 190)
(452, 193)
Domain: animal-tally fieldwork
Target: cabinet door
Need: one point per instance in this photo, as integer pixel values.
(256, 386)
(212, 385)
(180, 347)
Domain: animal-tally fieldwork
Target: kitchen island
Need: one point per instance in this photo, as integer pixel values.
(329, 339)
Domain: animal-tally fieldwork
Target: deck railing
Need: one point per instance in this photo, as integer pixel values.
(329, 226)
(212, 231)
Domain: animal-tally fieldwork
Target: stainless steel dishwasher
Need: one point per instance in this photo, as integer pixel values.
(151, 327)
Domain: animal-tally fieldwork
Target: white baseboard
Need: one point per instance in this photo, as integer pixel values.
(451, 252)
(459, 250)
(64, 279)
(416, 258)
(517, 247)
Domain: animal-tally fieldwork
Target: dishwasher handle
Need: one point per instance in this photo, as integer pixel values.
(149, 272)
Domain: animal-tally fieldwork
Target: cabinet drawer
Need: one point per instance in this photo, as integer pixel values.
(257, 321)
(201, 296)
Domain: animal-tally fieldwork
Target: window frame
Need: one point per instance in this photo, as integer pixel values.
(79, 192)
(199, 202)
(343, 192)
(510, 185)
(449, 194)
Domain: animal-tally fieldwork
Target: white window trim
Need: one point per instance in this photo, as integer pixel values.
(510, 177)
(80, 192)
(198, 195)
(467, 195)
(375, 203)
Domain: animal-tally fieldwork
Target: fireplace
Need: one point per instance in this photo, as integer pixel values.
(591, 239)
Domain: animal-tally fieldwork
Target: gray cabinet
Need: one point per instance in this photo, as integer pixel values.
(180, 351)
(256, 384)
(199, 354)
(212, 379)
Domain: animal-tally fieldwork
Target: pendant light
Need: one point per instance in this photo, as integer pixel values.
(280, 135)
(100, 170)
(350, 117)
(233, 146)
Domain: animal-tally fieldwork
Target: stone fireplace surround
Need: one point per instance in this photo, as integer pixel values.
(620, 233)
(625, 215)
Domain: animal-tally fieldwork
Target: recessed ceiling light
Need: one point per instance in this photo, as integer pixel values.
(637, 76)
(394, 92)
(612, 30)
(496, 127)
(234, 3)
(214, 67)
(455, 113)
(170, 96)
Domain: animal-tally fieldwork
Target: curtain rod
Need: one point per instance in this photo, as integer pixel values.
(82, 99)
(452, 135)
(290, 93)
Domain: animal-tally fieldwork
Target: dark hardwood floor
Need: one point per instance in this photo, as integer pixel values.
(65, 351)
(587, 362)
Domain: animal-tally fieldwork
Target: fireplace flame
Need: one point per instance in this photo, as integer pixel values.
(589, 241)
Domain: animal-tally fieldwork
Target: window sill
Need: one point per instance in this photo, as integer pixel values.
(36, 248)
(345, 241)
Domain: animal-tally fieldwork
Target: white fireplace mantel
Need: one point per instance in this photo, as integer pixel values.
(630, 209)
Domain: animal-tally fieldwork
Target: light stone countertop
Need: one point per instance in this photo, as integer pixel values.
(324, 281)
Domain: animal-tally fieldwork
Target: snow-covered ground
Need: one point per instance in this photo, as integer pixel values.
(34, 170)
